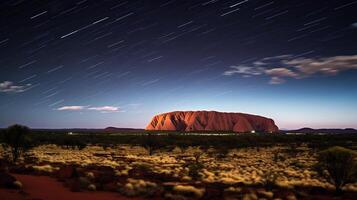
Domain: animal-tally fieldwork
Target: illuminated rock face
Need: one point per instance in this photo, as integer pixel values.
(211, 121)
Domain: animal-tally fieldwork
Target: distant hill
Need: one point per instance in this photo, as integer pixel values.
(115, 129)
(84, 130)
(324, 131)
(75, 130)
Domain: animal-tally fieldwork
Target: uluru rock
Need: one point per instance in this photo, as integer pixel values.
(211, 121)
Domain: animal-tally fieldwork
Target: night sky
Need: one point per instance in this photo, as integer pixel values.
(93, 64)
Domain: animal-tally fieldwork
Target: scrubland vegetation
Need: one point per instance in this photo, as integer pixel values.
(178, 166)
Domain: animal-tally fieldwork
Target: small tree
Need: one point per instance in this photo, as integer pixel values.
(194, 169)
(17, 141)
(292, 149)
(269, 179)
(339, 165)
(197, 153)
(152, 144)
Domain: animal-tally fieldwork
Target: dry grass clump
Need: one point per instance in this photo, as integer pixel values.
(18, 185)
(92, 187)
(45, 168)
(233, 189)
(124, 171)
(135, 187)
(350, 187)
(250, 196)
(90, 175)
(189, 191)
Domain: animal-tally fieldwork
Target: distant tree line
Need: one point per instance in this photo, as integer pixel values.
(157, 140)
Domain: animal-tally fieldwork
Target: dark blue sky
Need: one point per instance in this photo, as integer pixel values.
(94, 64)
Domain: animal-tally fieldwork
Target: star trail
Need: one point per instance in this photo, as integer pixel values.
(92, 64)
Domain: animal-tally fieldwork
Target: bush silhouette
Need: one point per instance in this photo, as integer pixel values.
(71, 142)
(16, 140)
(340, 165)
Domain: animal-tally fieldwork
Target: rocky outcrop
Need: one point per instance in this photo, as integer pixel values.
(211, 121)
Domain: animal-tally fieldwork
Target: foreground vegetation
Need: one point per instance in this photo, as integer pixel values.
(181, 166)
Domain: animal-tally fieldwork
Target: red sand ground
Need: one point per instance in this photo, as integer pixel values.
(46, 188)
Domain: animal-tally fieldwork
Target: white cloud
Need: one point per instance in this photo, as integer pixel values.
(259, 63)
(276, 80)
(9, 87)
(105, 108)
(245, 70)
(328, 65)
(71, 108)
(102, 109)
(280, 71)
(294, 67)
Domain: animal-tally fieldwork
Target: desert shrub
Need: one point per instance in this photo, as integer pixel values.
(189, 191)
(183, 148)
(340, 165)
(194, 170)
(292, 149)
(18, 185)
(45, 168)
(135, 187)
(197, 153)
(221, 152)
(92, 187)
(105, 146)
(143, 167)
(90, 175)
(73, 143)
(197, 156)
(278, 157)
(269, 180)
(297, 164)
(17, 141)
(80, 145)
